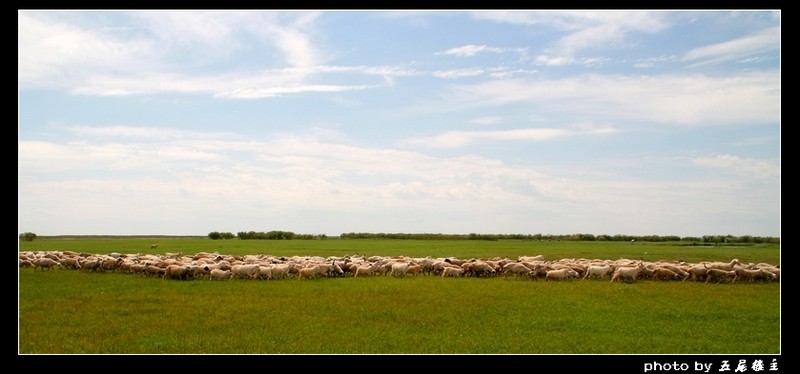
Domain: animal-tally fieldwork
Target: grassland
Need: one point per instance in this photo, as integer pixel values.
(71, 312)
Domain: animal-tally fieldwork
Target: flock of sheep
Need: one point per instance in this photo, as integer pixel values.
(214, 266)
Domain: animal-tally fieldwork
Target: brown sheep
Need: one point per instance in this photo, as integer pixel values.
(719, 275)
(663, 273)
(45, 263)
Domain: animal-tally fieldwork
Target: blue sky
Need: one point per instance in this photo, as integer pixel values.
(601, 122)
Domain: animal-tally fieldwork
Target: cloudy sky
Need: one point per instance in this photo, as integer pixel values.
(601, 122)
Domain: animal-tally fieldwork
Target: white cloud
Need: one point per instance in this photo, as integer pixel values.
(646, 21)
(473, 49)
(295, 43)
(760, 42)
(653, 61)
(465, 50)
(679, 99)
(145, 134)
(553, 60)
(96, 61)
(487, 120)
(287, 171)
(585, 29)
(745, 167)
(567, 60)
(52, 53)
(457, 73)
(454, 139)
(258, 93)
(504, 72)
(214, 33)
(281, 180)
(192, 29)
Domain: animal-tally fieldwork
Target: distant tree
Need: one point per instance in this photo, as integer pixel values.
(27, 236)
(214, 235)
(227, 235)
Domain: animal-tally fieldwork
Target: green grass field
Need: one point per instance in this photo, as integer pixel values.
(71, 312)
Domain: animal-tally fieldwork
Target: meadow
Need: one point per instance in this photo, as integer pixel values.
(73, 312)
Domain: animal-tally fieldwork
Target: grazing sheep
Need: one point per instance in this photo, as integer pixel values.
(198, 271)
(319, 270)
(627, 274)
(776, 271)
(516, 269)
(478, 269)
(663, 273)
(70, 263)
(753, 275)
(152, 270)
(719, 275)
(722, 265)
(561, 274)
(138, 268)
(399, 269)
(336, 270)
(414, 270)
(280, 271)
(249, 271)
(218, 274)
(45, 263)
(598, 271)
(698, 272)
(91, 264)
(452, 272)
(365, 270)
(439, 266)
(177, 272)
(109, 264)
(264, 272)
(530, 258)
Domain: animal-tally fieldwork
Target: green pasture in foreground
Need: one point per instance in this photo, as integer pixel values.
(72, 312)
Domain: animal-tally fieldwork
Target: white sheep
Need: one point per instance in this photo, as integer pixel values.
(599, 271)
(218, 274)
(627, 273)
(451, 271)
(560, 274)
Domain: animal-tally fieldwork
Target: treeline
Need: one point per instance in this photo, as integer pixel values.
(288, 235)
(268, 235)
(706, 239)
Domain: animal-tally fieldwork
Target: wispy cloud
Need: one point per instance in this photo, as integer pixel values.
(465, 50)
(138, 132)
(487, 120)
(746, 167)
(473, 49)
(567, 60)
(258, 93)
(584, 29)
(760, 42)
(458, 73)
(58, 54)
(474, 132)
(454, 139)
(287, 168)
(654, 61)
(287, 174)
(678, 99)
(96, 61)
